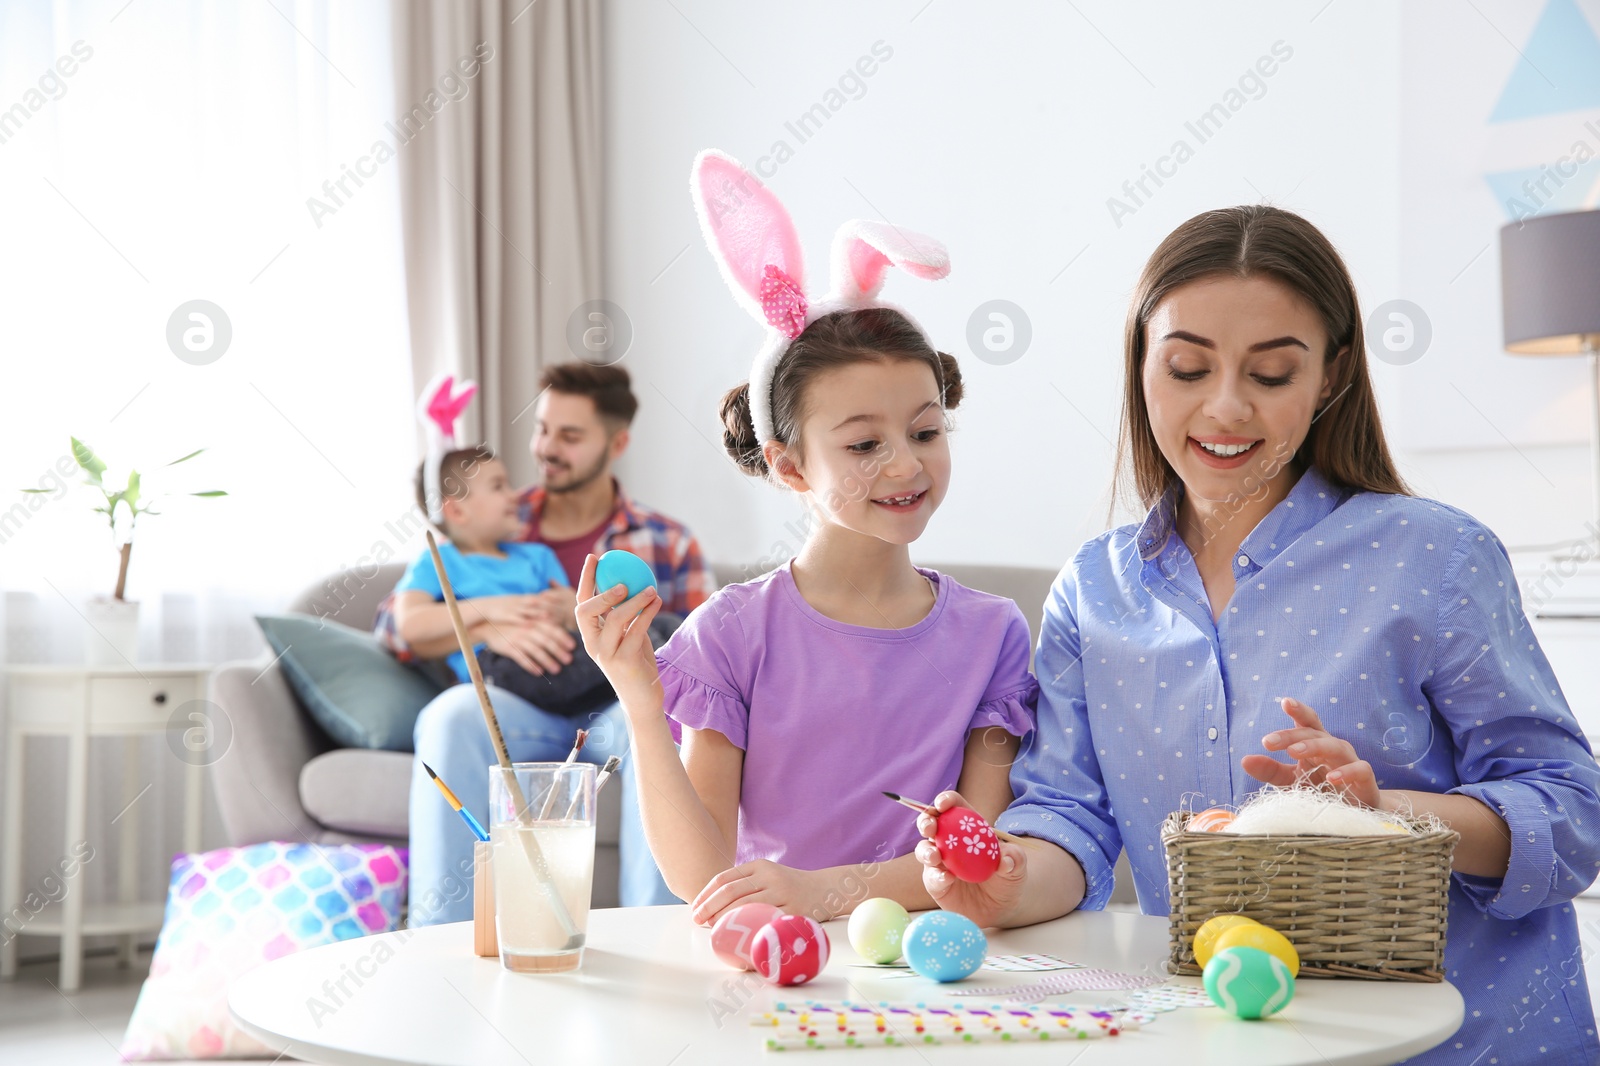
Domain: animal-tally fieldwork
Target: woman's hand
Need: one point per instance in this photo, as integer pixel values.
(538, 646)
(760, 881)
(989, 903)
(1319, 757)
(616, 634)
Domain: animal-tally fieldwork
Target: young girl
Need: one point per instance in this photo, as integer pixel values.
(846, 672)
(1282, 556)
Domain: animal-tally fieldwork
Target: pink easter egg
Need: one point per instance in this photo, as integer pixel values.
(789, 950)
(730, 937)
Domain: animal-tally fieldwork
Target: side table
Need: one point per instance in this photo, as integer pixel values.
(80, 702)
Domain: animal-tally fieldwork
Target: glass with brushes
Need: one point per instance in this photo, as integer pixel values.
(541, 828)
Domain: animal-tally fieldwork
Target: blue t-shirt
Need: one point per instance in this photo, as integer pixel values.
(526, 568)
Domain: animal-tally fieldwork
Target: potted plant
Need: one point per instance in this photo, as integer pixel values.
(114, 620)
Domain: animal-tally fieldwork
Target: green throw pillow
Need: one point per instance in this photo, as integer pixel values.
(362, 696)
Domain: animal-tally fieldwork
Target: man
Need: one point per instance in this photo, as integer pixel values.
(581, 429)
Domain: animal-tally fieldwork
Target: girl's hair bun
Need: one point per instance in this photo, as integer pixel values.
(739, 431)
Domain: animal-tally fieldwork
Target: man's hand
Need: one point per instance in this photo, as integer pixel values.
(560, 604)
(539, 646)
(513, 610)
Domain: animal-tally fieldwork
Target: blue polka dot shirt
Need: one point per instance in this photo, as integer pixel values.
(1399, 621)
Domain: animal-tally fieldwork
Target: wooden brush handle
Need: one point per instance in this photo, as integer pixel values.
(536, 859)
(495, 736)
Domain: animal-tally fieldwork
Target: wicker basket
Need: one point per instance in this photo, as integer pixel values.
(1373, 907)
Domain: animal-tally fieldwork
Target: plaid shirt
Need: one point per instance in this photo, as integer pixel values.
(666, 546)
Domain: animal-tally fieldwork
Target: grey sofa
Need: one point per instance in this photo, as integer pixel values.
(283, 778)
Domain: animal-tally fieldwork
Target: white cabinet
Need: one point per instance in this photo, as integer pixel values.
(79, 702)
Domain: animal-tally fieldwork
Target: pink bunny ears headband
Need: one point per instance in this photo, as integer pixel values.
(755, 244)
(439, 409)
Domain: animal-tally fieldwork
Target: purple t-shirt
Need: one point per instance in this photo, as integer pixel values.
(830, 715)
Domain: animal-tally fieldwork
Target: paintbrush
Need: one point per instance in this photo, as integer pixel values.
(450, 797)
(536, 859)
(932, 811)
(572, 757)
(599, 782)
(606, 771)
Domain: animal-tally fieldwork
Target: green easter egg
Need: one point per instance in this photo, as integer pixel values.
(1248, 982)
(876, 929)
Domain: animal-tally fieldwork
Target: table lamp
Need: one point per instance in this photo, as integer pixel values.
(1550, 301)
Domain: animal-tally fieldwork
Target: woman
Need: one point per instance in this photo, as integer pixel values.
(1282, 554)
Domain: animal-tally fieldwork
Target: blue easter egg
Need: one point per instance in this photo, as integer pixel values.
(618, 567)
(944, 946)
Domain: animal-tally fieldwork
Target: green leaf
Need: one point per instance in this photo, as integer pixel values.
(213, 492)
(130, 495)
(191, 455)
(34, 490)
(88, 460)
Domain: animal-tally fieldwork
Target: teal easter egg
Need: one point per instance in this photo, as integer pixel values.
(618, 567)
(877, 927)
(944, 946)
(1248, 983)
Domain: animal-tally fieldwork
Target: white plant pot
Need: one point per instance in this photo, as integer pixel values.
(112, 638)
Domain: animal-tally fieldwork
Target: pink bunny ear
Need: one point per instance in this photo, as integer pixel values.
(746, 228)
(442, 403)
(864, 249)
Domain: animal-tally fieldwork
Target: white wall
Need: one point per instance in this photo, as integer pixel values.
(1003, 129)
(1503, 436)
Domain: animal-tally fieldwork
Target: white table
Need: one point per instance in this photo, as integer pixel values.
(651, 993)
(80, 702)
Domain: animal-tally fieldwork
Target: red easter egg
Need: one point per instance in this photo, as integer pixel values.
(789, 950)
(730, 937)
(967, 844)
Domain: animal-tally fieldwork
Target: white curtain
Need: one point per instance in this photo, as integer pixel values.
(184, 157)
(153, 154)
(500, 195)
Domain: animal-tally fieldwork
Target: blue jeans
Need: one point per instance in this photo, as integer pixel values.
(452, 738)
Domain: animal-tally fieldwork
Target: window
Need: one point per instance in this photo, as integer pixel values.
(153, 154)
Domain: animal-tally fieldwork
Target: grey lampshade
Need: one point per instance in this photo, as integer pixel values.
(1550, 283)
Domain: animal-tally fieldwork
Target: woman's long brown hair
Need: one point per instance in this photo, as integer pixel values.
(1346, 439)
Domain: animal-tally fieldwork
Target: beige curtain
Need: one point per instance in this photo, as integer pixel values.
(498, 142)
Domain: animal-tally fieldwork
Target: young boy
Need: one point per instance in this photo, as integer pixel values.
(494, 577)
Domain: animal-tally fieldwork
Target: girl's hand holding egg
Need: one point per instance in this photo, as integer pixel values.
(1319, 756)
(985, 902)
(616, 633)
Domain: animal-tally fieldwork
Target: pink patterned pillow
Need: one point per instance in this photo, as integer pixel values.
(232, 909)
